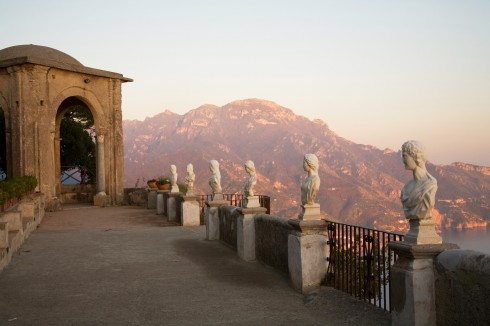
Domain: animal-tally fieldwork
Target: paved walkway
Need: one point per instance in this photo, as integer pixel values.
(121, 266)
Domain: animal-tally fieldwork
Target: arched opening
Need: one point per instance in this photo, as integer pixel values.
(3, 147)
(76, 147)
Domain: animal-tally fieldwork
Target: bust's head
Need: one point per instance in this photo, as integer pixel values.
(250, 166)
(173, 168)
(214, 166)
(310, 162)
(415, 150)
(190, 168)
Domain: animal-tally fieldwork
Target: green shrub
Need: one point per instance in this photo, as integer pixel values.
(16, 187)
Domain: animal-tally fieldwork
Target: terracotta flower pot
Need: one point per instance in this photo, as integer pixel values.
(164, 187)
(152, 184)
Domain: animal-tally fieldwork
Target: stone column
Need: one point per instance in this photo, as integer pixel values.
(54, 203)
(307, 254)
(152, 198)
(172, 206)
(101, 199)
(190, 210)
(246, 231)
(212, 216)
(413, 282)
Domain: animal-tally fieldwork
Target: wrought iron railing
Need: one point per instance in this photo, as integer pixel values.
(237, 200)
(76, 175)
(360, 262)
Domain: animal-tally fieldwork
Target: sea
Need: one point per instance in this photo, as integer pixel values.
(469, 239)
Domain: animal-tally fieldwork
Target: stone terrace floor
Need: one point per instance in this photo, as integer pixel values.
(128, 266)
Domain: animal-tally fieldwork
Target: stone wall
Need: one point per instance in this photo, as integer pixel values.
(135, 197)
(462, 288)
(228, 225)
(271, 241)
(78, 193)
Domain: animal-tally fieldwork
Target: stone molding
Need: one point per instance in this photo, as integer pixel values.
(422, 251)
(307, 227)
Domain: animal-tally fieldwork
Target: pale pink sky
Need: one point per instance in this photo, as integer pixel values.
(377, 72)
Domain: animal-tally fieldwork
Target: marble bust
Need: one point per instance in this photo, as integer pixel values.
(311, 185)
(190, 178)
(173, 175)
(215, 179)
(251, 180)
(418, 195)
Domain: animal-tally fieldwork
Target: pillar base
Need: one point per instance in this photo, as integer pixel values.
(174, 189)
(422, 232)
(102, 200)
(310, 212)
(252, 202)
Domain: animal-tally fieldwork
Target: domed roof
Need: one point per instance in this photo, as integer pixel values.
(37, 51)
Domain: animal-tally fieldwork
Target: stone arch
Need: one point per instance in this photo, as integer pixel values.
(88, 98)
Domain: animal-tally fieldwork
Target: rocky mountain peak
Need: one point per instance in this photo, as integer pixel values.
(360, 183)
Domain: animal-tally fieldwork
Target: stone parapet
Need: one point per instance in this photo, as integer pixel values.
(462, 288)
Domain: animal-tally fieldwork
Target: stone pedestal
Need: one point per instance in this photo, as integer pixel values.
(102, 200)
(422, 232)
(252, 201)
(246, 232)
(412, 283)
(152, 198)
(174, 189)
(307, 254)
(172, 206)
(211, 217)
(160, 204)
(310, 212)
(190, 211)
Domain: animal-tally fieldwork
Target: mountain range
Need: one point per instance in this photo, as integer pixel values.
(360, 184)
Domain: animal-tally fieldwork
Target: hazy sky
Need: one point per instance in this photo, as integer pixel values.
(377, 72)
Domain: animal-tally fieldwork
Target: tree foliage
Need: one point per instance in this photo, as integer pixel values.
(77, 146)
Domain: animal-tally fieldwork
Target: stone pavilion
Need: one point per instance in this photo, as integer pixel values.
(38, 85)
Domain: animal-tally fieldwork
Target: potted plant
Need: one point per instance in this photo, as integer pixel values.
(152, 183)
(163, 183)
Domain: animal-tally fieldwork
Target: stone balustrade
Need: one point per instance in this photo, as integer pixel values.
(17, 223)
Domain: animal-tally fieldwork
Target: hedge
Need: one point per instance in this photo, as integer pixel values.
(16, 187)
